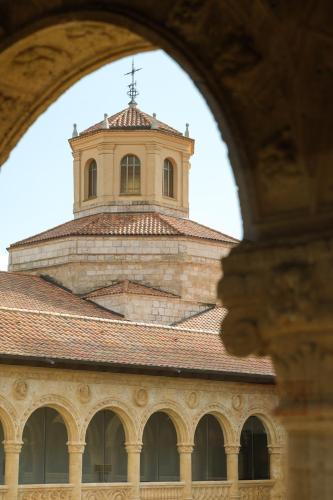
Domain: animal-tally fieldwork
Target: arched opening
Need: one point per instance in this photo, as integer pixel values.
(253, 458)
(44, 455)
(130, 175)
(168, 188)
(209, 458)
(159, 456)
(2, 455)
(92, 179)
(105, 457)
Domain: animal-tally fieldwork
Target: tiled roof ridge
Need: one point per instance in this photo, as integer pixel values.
(195, 315)
(127, 282)
(166, 217)
(104, 320)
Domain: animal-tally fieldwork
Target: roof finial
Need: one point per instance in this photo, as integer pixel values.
(75, 132)
(133, 92)
(105, 121)
(187, 132)
(154, 121)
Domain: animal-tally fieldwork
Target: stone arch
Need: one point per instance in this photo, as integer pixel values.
(224, 419)
(266, 420)
(65, 409)
(174, 411)
(121, 410)
(9, 420)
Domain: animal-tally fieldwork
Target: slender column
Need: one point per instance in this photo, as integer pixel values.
(12, 452)
(185, 463)
(75, 451)
(232, 470)
(133, 468)
(276, 471)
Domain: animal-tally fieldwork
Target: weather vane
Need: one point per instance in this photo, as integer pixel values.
(132, 93)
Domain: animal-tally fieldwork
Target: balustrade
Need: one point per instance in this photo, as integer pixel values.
(161, 491)
(255, 490)
(45, 492)
(114, 491)
(211, 490)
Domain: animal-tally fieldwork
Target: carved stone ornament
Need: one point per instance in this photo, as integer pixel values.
(141, 397)
(192, 400)
(20, 389)
(84, 393)
(40, 61)
(237, 402)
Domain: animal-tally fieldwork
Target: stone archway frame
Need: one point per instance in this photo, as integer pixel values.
(176, 414)
(9, 420)
(123, 412)
(64, 407)
(267, 421)
(223, 417)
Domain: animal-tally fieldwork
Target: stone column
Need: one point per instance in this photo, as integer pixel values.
(12, 459)
(75, 451)
(280, 297)
(133, 468)
(185, 466)
(78, 188)
(231, 452)
(276, 471)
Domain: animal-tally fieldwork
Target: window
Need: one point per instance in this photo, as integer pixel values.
(168, 189)
(44, 455)
(130, 175)
(92, 179)
(105, 457)
(2, 456)
(159, 457)
(209, 460)
(253, 460)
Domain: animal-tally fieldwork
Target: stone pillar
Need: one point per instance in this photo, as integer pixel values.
(232, 469)
(133, 468)
(12, 459)
(185, 466)
(276, 471)
(280, 297)
(75, 451)
(77, 177)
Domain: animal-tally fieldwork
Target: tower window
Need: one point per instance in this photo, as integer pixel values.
(168, 188)
(130, 175)
(92, 179)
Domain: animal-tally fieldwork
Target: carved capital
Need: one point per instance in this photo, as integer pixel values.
(133, 447)
(275, 449)
(12, 446)
(185, 448)
(75, 447)
(232, 449)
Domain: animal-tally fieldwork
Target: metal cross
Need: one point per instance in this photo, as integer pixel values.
(132, 92)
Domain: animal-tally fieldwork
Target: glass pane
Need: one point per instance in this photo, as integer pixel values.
(56, 451)
(2, 456)
(44, 456)
(92, 180)
(105, 458)
(253, 456)
(123, 180)
(209, 460)
(159, 457)
(130, 175)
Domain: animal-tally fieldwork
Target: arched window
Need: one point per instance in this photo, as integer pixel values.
(2, 456)
(105, 457)
(159, 457)
(130, 175)
(253, 461)
(209, 460)
(168, 179)
(44, 455)
(92, 179)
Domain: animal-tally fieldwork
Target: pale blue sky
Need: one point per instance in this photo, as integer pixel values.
(36, 182)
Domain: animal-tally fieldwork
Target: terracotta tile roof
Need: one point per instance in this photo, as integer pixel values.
(129, 224)
(131, 287)
(132, 118)
(210, 319)
(89, 340)
(24, 291)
